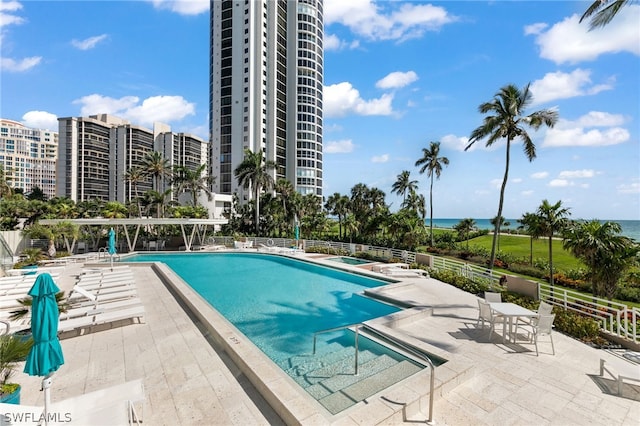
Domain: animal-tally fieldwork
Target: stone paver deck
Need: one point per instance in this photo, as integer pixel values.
(189, 379)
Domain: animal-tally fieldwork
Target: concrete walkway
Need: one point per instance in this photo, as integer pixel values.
(189, 380)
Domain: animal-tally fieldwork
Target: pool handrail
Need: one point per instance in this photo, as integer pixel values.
(419, 354)
(342, 327)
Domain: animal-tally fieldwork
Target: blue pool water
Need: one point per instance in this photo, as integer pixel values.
(275, 301)
(349, 260)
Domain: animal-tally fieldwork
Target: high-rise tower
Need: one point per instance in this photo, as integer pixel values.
(265, 89)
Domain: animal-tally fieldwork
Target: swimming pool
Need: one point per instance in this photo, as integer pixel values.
(280, 302)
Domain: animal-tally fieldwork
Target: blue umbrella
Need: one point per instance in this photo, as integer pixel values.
(45, 356)
(112, 245)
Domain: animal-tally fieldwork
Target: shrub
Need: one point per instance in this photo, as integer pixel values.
(459, 281)
(523, 269)
(579, 326)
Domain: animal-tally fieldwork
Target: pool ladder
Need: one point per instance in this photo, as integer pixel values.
(395, 341)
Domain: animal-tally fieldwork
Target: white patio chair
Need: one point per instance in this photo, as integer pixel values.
(492, 297)
(485, 314)
(543, 326)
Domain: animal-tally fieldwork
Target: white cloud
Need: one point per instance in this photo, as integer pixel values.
(496, 182)
(527, 193)
(561, 85)
(380, 158)
(338, 147)
(539, 175)
(333, 42)
(630, 188)
(396, 80)
(40, 120)
(12, 65)
(165, 109)
(535, 28)
(516, 180)
(458, 143)
(585, 131)
(401, 22)
(182, 7)
(570, 41)
(343, 99)
(559, 183)
(577, 174)
(88, 43)
(9, 18)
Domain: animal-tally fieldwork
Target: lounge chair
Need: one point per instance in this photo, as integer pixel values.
(100, 318)
(405, 273)
(621, 370)
(93, 309)
(115, 406)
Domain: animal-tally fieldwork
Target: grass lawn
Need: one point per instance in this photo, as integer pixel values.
(520, 247)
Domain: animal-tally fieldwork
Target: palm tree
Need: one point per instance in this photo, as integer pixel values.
(606, 254)
(507, 120)
(254, 172)
(464, 228)
(404, 184)
(5, 188)
(552, 219)
(498, 222)
(134, 176)
(115, 210)
(158, 167)
(602, 12)
(416, 203)
(530, 223)
(433, 165)
(338, 205)
(193, 181)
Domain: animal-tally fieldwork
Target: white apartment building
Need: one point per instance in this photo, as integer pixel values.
(266, 82)
(28, 157)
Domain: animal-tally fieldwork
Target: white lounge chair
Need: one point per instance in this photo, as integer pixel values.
(101, 318)
(113, 406)
(621, 370)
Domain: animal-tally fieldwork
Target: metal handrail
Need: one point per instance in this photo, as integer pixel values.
(342, 327)
(417, 354)
(395, 341)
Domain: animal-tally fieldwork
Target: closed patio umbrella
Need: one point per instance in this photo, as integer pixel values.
(112, 245)
(45, 356)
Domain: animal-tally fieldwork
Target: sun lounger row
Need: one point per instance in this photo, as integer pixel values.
(405, 273)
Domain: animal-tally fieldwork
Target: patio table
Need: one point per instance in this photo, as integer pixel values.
(511, 312)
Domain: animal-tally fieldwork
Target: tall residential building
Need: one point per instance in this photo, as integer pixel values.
(97, 152)
(265, 89)
(28, 157)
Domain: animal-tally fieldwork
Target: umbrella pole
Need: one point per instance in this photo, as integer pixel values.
(111, 263)
(46, 385)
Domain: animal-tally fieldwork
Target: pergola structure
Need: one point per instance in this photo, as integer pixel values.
(199, 227)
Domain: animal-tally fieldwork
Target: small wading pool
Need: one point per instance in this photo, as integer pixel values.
(349, 260)
(279, 303)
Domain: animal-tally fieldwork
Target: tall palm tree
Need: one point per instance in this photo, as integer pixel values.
(552, 220)
(404, 184)
(158, 167)
(338, 205)
(606, 254)
(193, 181)
(254, 172)
(530, 223)
(602, 12)
(506, 119)
(432, 163)
(499, 222)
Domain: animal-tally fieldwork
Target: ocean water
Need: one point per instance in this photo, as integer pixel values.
(630, 228)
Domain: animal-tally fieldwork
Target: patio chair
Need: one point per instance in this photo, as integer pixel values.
(491, 297)
(543, 326)
(485, 314)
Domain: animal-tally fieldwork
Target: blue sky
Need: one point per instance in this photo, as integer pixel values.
(398, 75)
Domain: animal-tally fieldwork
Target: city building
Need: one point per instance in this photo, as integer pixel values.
(265, 91)
(28, 157)
(98, 153)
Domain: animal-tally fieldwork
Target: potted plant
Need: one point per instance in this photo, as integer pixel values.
(13, 350)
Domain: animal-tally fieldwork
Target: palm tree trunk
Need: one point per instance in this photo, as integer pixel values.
(431, 209)
(257, 212)
(550, 260)
(496, 231)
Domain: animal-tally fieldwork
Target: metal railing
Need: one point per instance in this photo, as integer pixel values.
(342, 327)
(414, 352)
